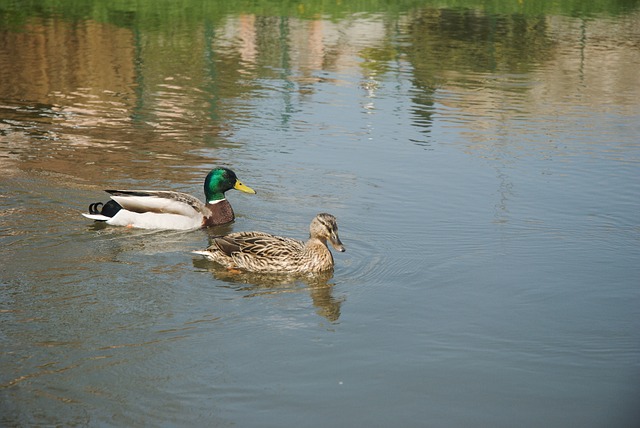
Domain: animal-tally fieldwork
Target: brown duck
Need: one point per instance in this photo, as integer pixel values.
(263, 252)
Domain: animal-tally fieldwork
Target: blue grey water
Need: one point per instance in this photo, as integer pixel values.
(489, 211)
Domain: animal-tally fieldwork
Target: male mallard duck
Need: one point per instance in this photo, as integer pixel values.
(152, 209)
(262, 252)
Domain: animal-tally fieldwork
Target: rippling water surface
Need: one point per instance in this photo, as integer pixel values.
(483, 167)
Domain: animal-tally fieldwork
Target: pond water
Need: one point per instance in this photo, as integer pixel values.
(483, 165)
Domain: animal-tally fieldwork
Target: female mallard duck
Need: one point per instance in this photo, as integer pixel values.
(262, 252)
(152, 209)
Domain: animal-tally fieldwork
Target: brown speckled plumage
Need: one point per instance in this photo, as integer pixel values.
(262, 252)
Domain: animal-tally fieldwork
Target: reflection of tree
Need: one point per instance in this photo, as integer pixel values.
(473, 41)
(447, 42)
(256, 284)
(154, 88)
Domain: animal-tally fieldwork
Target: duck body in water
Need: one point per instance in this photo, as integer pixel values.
(266, 253)
(159, 209)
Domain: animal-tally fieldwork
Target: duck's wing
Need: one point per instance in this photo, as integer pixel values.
(153, 201)
(258, 244)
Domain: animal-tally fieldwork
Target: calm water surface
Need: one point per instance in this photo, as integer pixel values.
(484, 168)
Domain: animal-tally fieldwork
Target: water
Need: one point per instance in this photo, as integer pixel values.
(482, 164)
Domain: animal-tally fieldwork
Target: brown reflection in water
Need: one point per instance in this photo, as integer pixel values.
(59, 80)
(94, 101)
(491, 72)
(73, 100)
(100, 102)
(57, 57)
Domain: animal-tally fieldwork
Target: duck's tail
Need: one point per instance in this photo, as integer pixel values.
(103, 212)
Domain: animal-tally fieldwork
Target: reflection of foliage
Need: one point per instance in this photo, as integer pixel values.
(163, 14)
(543, 7)
(377, 59)
(208, 66)
(450, 41)
(467, 40)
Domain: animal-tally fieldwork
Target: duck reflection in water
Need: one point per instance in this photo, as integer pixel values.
(253, 284)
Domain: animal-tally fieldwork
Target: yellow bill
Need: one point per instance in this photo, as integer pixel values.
(241, 187)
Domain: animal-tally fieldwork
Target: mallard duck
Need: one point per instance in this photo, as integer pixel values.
(262, 252)
(152, 209)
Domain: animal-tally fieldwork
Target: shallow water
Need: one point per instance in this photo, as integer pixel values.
(483, 167)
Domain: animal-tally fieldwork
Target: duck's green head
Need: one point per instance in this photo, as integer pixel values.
(218, 181)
